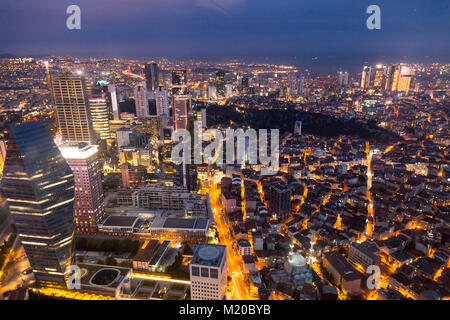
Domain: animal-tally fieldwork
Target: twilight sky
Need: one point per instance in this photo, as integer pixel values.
(414, 28)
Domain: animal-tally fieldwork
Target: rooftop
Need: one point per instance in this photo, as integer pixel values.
(209, 255)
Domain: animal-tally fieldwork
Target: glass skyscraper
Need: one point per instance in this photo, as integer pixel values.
(39, 187)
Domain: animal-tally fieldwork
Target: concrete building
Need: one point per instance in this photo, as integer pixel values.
(89, 207)
(71, 104)
(342, 272)
(208, 272)
(364, 254)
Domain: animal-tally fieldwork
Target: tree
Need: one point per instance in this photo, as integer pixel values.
(111, 261)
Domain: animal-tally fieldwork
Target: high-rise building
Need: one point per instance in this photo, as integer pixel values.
(280, 200)
(181, 105)
(39, 186)
(72, 110)
(212, 92)
(179, 77)
(366, 77)
(113, 96)
(220, 83)
(402, 78)
(390, 71)
(208, 272)
(99, 114)
(301, 85)
(162, 101)
(140, 98)
(380, 73)
(151, 76)
(343, 78)
(228, 90)
(89, 205)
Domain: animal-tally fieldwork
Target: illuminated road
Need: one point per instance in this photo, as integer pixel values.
(240, 290)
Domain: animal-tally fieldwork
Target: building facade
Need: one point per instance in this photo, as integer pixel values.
(89, 207)
(39, 186)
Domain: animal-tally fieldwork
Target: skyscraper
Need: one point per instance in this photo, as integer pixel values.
(113, 97)
(366, 77)
(380, 72)
(72, 111)
(343, 78)
(162, 101)
(39, 187)
(208, 272)
(89, 200)
(402, 78)
(181, 105)
(151, 76)
(280, 200)
(99, 113)
(220, 83)
(140, 97)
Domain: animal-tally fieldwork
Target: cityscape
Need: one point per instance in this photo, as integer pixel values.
(223, 178)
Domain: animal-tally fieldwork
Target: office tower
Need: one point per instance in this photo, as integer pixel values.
(301, 85)
(162, 101)
(179, 77)
(113, 97)
(89, 206)
(181, 105)
(365, 77)
(151, 76)
(294, 85)
(402, 78)
(390, 71)
(379, 79)
(72, 111)
(212, 92)
(220, 83)
(140, 98)
(99, 113)
(208, 272)
(343, 78)
(39, 187)
(228, 90)
(280, 200)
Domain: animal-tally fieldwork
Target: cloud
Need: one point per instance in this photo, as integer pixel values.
(223, 6)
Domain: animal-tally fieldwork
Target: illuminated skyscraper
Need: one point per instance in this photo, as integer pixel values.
(99, 114)
(366, 77)
(379, 79)
(151, 76)
(89, 200)
(72, 111)
(220, 83)
(39, 187)
(389, 77)
(343, 78)
(402, 78)
(113, 96)
(181, 105)
(162, 101)
(140, 98)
